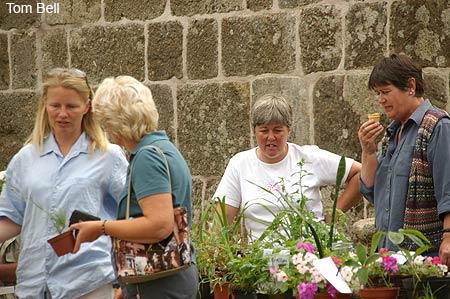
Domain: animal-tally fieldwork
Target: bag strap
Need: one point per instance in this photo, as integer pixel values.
(161, 153)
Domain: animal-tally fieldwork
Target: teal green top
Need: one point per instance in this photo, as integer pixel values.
(150, 176)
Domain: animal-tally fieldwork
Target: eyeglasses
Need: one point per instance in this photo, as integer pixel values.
(72, 72)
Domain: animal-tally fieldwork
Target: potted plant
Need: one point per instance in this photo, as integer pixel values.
(64, 242)
(369, 271)
(217, 245)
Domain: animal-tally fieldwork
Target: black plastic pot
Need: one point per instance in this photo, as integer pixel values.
(439, 285)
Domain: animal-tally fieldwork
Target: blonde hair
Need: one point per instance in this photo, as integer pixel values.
(76, 80)
(125, 106)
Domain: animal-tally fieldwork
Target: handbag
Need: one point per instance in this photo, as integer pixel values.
(140, 262)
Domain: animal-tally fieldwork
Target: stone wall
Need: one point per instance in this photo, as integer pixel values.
(206, 61)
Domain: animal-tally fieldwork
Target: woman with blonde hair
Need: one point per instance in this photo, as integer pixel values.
(127, 111)
(66, 164)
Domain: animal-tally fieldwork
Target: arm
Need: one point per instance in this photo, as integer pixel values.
(231, 212)
(351, 194)
(155, 225)
(8, 229)
(367, 134)
(8, 272)
(444, 250)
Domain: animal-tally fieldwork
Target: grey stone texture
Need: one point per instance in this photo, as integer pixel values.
(162, 95)
(202, 7)
(22, 15)
(54, 49)
(219, 115)
(109, 51)
(133, 10)
(257, 45)
(202, 49)
(207, 61)
(165, 47)
(4, 62)
(74, 12)
(23, 59)
(17, 120)
(421, 29)
(366, 36)
(294, 90)
(295, 3)
(257, 5)
(335, 123)
(320, 38)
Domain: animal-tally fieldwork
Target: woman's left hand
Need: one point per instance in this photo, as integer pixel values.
(86, 231)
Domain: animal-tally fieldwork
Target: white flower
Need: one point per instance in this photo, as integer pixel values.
(282, 276)
(316, 277)
(297, 259)
(418, 260)
(302, 268)
(309, 257)
(347, 273)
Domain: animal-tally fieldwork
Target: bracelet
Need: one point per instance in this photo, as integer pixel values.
(103, 227)
(446, 230)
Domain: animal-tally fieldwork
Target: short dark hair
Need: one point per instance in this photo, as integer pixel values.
(396, 70)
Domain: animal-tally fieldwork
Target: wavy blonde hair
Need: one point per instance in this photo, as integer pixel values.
(76, 80)
(125, 106)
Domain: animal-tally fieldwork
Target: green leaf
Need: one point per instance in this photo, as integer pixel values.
(396, 238)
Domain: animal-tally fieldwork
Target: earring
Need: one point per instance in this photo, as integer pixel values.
(411, 92)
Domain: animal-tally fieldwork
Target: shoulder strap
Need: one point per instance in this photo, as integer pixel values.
(161, 153)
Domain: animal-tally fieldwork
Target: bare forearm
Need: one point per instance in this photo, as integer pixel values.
(8, 272)
(350, 196)
(8, 229)
(368, 168)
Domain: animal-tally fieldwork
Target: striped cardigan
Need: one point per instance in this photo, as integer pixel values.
(421, 206)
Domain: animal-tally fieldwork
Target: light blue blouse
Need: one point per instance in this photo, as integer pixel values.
(89, 183)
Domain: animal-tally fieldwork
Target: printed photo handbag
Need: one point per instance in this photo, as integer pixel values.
(139, 262)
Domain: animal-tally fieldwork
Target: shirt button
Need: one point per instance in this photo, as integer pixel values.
(387, 210)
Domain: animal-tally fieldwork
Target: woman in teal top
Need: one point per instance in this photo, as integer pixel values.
(126, 109)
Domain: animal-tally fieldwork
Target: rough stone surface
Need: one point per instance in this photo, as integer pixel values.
(320, 38)
(257, 5)
(23, 56)
(366, 36)
(436, 89)
(295, 3)
(165, 47)
(219, 115)
(197, 199)
(80, 11)
(200, 7)
(133, 10)
(364, 229)
(4, 62)
(257, 45)
(162, 95)
(97, 51)
(295, 91)
(54, 49)
(202, 51)
(335, 123)
(421, 29)
(17, 115)
(24, 20)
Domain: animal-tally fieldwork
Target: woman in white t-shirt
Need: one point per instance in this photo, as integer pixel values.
(274, 158)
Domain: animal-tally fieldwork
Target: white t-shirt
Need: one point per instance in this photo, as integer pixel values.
(245, 174)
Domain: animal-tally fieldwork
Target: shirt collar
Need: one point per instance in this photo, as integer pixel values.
(80, 146)
(416, 117)
(150, 138)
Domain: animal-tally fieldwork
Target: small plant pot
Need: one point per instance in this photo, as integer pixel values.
(62, 243)
(379, 293)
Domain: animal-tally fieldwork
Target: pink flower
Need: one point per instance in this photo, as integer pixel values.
(436, 260)
(306, 290)
(273, 271)
(389, 263)
(307, 246)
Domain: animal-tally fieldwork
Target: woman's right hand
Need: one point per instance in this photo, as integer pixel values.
(367, 134)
